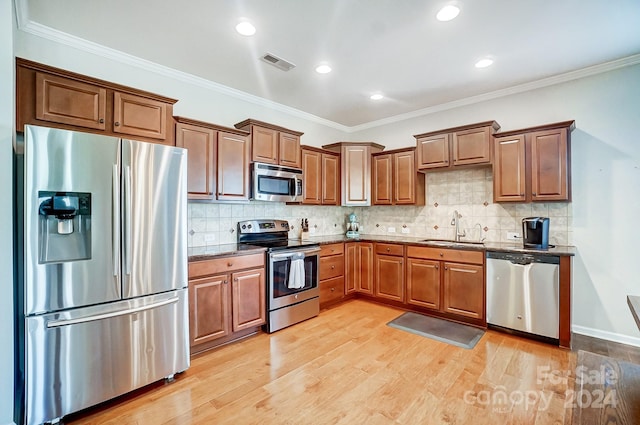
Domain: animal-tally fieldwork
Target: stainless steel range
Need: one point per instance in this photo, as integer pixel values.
(292, 272)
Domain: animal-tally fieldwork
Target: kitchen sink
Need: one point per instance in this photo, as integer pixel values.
(449, 242)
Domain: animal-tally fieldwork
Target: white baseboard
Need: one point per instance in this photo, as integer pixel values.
(609, 336)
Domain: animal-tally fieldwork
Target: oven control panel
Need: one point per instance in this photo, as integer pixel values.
(262, 226)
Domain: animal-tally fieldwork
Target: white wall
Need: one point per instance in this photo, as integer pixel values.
(606, 182)
(6, 213)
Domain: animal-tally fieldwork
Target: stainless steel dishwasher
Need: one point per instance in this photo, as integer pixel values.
(523, 292)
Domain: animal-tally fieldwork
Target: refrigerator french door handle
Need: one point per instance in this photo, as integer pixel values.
(115, 214)
(127, 219)
(67, 322)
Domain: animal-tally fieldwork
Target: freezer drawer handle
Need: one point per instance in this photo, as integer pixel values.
(58, 323)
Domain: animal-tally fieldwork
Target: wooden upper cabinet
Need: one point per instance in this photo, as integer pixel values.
(200, 143)
(395, 180)
(312, 175)
(472, 146)
(139, 116)
(65, 101)
(53, 97)
(455, 147)
(233, 167)
(321, 179)
(218, 160)
(273, 144)
(382, 179)
(550, 165)
(264, 145)
(355, 171)
(509, 169)
(330, 179)
(433, 151)
(289, 150)
(533, 164)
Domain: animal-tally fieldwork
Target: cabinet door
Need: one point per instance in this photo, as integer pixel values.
(381, 180)
(356, 178)
(404, 178)
(249, 303)
(201, 144)
(312, 177)
(509, 169)
(549, 166)
(351, 267)
(365, 263)
(233, 167)
(433, 151)
(472, 146)
(66, 101)
(208, 309)
(264, 146)
(139, 116)
(463, 290)
(289, 150)
(423, 283)
(330, 179)
(389, 277)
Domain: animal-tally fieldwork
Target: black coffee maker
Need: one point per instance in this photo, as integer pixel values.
(535, 232)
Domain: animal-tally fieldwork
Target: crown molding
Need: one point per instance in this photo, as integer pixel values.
(39, 30)
(538, 84)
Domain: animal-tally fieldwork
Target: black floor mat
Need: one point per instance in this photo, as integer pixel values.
(438, 329)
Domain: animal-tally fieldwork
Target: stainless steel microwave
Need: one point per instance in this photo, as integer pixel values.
(275, 183)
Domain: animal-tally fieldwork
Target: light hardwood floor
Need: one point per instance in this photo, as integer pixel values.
(347, 367)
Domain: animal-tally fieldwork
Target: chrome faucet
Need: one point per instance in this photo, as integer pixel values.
(455, 221)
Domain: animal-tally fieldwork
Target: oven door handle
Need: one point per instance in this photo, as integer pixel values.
(289, 254)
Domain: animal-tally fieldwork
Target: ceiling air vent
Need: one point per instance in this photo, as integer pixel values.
(279, 63)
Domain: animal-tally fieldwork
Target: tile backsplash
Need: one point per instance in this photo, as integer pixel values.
(470, 192)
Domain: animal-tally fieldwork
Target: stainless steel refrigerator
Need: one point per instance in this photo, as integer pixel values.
(102, 273)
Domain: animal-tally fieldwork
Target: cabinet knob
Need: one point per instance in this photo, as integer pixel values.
(229, 264)
(388, 249)
(437, 267)
(333, 267)
(101, 120)
(534, 194)
(446, 268)
(441, 254)
(225, 281)
(333, 289)
(117, 124)
(235, 279)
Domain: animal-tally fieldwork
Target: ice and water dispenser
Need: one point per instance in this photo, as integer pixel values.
(64, 226)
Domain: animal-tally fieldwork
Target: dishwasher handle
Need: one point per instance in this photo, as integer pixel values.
(523, 258)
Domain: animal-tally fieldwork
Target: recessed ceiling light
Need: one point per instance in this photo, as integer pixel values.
(483, 63)
(447, 13)
(376, 96)
(323, 69)
(246, 28)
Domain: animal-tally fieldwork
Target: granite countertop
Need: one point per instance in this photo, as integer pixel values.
(560, 250)
(212, 251)
(209, 252)
(634, 305)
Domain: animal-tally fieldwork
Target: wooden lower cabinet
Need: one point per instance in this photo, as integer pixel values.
(389, 272)
(423, 283)
(448, 282)
(463, 290)
(359, 268)
(226, 299)
(331, 274)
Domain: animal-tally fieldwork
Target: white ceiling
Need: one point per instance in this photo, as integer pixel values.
(396, 47)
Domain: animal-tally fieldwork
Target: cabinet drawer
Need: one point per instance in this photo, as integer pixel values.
(390, 249)
(332, 266)
(331, 289)
(225, 264)
(446, 254)
(331, 249)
